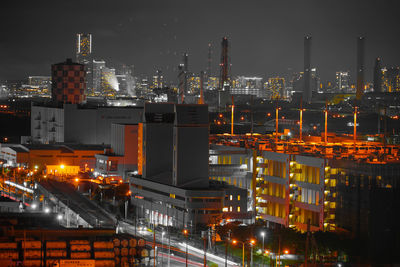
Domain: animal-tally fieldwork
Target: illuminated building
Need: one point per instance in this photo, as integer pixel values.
(337, 187)
(248, 86)
(276, 86)
(97, 67)
(83, 48)
(56, 159)
(109, 82)
(342, 81)
(68, 82)
(212, 83)
(392, 79)
(158, 80)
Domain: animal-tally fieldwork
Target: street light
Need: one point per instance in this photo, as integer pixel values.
(263, 236)
(162, 244)
(186, 233)
(252, 243)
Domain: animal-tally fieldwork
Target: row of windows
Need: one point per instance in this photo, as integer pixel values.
(230, 209)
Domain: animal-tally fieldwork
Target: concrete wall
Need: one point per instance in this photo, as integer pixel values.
(190, 162)
(93, 126)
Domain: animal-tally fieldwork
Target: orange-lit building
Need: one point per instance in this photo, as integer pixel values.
(122, 157)
(56, 159)
(335, 187)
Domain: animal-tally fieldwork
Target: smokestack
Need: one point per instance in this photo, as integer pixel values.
(378, 76)
(360, 67)
(307, 94)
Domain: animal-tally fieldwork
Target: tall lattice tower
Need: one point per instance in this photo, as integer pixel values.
(224, 65)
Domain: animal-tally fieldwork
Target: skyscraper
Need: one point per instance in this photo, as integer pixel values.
(307, 93)
(342, 81)
(83, 48)
(360, 67)
(276, 86)
(377, 75)
(68, 82)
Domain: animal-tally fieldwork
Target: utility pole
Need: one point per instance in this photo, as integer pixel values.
(232, 117)
(326, 122)
(301, 119)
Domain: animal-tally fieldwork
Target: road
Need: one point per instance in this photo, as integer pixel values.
(178, 247)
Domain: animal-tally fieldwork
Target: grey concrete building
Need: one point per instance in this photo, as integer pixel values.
(78, 123)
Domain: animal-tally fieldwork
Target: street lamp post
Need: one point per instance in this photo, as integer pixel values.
(186, 233)
(252, 242)
(263, 235)
(162, 244)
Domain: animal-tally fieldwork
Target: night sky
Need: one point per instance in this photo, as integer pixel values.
(266, 37)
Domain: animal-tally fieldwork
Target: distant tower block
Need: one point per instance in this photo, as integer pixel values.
(360, 67)
(307, 93)
(185, 71)
(83, 48)
(378, 76)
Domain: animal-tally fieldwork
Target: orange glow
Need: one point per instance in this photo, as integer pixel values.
(185, 231)
(129, 192)
(220, 115)
(269, 114)
(234, 241)
(120, 181)
(286, 251)
(252, 241)
(267, 251)
(76, 180)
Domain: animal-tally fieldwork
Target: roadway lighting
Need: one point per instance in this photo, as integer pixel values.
(62, 166)
(59, 217)
(286, 251)
(46, 210)
(36, 167)
(34, 206)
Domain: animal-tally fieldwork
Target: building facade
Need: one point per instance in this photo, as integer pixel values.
(68, 82)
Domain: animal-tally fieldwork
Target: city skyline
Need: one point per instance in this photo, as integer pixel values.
(153, 36)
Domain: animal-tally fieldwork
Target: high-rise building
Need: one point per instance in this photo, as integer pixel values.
(97, 66)
(392, 78)
(109, 82)
(360, 67)
(158, 80)
(307, 93)
(247, 86)
(83, 48)
(68, 82)
(342, 81)
(276, 87)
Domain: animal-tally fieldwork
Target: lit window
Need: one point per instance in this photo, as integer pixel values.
(225, 209)
(238, 197)
(230, 197)
(238, 209)
(230, 208)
